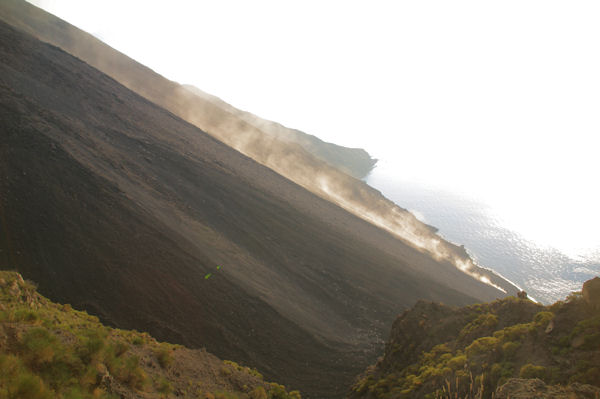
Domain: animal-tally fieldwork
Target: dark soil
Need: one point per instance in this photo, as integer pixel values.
(121, 208)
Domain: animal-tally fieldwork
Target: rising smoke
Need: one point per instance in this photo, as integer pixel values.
(292, 161)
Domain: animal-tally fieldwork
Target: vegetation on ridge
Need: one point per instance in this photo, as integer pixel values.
(440, 352)
(48, 350)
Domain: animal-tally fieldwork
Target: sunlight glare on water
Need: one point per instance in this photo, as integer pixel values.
(540, 237)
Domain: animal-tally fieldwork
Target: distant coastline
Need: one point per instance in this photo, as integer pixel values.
(545, 273)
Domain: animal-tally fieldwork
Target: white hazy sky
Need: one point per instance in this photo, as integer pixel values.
(500, 99)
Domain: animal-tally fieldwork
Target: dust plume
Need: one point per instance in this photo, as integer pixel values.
(403, 225)
(291, 160)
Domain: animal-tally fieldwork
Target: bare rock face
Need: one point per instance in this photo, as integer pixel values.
(518, 388)
(591, 292)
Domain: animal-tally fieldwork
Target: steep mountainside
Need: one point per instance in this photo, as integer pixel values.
(121, 208)
(49, 350)
(274, 146)
(211, 113)
(435, 351)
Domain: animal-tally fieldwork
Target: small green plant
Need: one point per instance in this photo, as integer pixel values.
(26, 315)
(39, 347)
(543, 318)
(483, 345)
(509, 349)
(119, 348)
(129, 372)
(457, 362)
(258, 393)
(277, 391)
(29, 386)
(163, 386)
(480, 325)
(91, 344)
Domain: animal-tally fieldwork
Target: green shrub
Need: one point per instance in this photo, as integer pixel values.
(591, 341)
(480, 325)
(90, 377)
(129, 372)
(90, 346)
(573, 297)
(500, 372)
(457, 362)
(589, 376)
(76, 393)
(163, 356)
(29, 386)
(163, 386)
(119, 348)
(513, 333)
(9, 364)
(543, 318)
(510, 349)
(277, 391)
(244, 369)
(531, 371)
(39, 347)
(483, 345)
(592, 324)
(26, 315)
(433, 355)
(258, 393)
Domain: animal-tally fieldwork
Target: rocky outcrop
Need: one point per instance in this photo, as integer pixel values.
(18, 290)
(534, 388)
(591, 292)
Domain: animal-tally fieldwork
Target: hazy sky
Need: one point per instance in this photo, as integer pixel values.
(497, 99)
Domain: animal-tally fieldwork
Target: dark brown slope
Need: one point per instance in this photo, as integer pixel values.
(119, 207)
(286, 151)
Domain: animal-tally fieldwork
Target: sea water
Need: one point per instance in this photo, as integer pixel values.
(546, 273)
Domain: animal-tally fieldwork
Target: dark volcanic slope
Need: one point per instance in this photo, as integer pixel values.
(204, 110)
(119, 207)
(290, 153)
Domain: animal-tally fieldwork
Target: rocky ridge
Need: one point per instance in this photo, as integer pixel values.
(481, 351)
